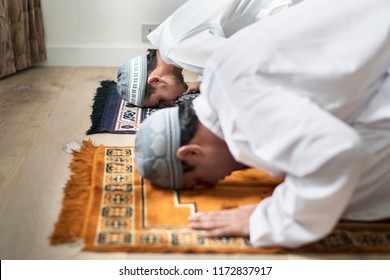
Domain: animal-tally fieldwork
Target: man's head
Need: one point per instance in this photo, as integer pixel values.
(147, 81)
(174, 150)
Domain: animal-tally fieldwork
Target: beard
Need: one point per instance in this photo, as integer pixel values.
(179, 80)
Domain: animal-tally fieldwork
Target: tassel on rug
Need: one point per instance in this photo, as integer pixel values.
(99, 106)
(69, 226)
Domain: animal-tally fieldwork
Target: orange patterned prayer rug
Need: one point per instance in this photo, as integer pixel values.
(109, 206)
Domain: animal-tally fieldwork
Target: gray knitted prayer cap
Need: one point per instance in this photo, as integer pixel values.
(131, 80)
(156, 143)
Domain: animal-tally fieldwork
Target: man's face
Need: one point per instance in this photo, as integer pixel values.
(214, 165)
(167, 95)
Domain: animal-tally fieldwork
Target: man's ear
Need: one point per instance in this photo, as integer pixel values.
(153, 79)
(189, 153)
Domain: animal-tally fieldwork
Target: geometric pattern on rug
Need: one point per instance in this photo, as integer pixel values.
(109, 206)
(112, 114)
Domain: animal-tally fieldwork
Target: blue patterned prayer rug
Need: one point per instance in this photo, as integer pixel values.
(112, 114)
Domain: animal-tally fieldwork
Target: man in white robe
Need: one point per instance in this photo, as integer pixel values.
(185, 40)
(310, 104)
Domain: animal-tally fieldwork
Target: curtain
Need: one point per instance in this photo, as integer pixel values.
(22, 39)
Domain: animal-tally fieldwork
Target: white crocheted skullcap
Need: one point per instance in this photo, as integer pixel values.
(131, 80)
(156, 143)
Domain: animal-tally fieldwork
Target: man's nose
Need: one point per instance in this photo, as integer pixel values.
(172, 103)
(168, 103)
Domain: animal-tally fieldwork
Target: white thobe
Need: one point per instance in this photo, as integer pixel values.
(196, 29)
(311, 103)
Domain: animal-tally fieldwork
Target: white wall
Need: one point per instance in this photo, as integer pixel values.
(99, 32)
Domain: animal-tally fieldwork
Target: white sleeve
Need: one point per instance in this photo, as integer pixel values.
(192, 52)
(271, 7)
(321, 157)
(189, 36)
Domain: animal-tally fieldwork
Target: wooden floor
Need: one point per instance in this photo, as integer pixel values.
(43, 111)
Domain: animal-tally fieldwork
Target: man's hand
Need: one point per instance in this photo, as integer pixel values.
(223, 223)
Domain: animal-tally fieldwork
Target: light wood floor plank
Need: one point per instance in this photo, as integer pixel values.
(26, 100)
(9, 167)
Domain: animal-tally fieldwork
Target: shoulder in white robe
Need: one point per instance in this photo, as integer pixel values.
(311, 103)
(195, 30)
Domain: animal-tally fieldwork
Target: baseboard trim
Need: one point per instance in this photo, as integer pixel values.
(105, 56)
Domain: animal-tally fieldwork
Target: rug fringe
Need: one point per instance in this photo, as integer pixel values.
(70, 223)
(98, 108)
